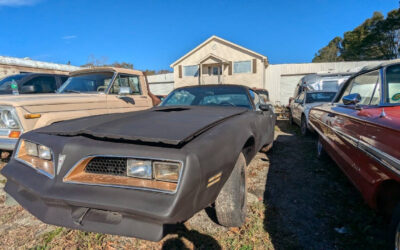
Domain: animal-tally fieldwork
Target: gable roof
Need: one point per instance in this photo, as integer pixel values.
(216, 38)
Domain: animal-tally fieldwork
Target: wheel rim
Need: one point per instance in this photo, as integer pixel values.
(319, 147)
(397, 236)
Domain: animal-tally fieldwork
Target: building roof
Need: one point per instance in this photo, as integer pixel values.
(26, 62)
(216, 38)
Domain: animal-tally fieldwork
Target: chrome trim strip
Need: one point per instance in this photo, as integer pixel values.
(30, 165)
(127, 187)
(388, 161)
(8, 144)
(385, 159)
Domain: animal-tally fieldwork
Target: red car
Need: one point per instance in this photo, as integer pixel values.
(360, 131)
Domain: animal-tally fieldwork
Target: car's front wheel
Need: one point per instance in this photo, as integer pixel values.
(290, 117)
(231, 203)
(303, 127)
(321, 153)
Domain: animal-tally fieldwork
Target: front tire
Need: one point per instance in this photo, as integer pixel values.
(290, 117)
(231, 203)
(321, 153)
(303, 127)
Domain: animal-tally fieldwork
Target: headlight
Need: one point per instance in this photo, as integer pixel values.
(8, 118)
(126, 172)
(166, 171)
(139, 169)
(36, 156)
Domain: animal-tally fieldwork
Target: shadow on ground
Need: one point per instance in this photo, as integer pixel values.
(310, 203)
(199, 240)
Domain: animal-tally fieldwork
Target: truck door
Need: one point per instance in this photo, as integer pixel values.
(126, 94)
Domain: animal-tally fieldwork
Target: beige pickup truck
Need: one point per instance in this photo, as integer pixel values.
(87, 92)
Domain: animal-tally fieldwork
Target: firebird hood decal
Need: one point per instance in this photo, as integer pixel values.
(167, 125)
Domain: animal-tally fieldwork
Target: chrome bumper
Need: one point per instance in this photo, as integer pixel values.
(7, 144)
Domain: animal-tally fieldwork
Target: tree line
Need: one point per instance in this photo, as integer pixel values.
(102, 62)
(377, 38)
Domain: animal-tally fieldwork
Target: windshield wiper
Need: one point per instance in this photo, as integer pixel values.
(71, 91)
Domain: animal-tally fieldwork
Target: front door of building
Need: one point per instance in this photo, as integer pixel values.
(212, 74)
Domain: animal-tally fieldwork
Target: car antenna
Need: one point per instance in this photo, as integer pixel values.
(383, 113)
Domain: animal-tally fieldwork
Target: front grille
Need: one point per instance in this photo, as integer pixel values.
(107, 165)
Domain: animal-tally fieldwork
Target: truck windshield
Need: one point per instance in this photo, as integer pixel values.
(93, 82)
(209, 96)
(5, 83)
(320, 97)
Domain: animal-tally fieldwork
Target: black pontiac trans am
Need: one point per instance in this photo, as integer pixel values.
(133, 174)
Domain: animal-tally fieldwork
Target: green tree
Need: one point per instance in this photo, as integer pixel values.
(376, 38)
(331, 52)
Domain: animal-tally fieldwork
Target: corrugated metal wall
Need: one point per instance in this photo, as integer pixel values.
(161, 84)
(281, 79)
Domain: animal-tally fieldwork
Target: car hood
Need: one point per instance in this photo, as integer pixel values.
(27, 100)
(166, 125)
(314, 104)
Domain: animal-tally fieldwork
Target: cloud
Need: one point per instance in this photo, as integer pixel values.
(17, 3)
(69, 37)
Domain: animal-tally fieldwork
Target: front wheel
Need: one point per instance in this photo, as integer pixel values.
(290, 117)
(321, 153)
(231, 203)
(303, 127)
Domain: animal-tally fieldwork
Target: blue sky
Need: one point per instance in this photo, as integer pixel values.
(153, 34)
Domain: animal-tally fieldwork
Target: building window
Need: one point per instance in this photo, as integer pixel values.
(191, 70)
(242, 67)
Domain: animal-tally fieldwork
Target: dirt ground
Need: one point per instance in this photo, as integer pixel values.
(295, 202)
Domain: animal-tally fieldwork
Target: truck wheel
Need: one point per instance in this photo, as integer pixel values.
(321, 153)
(231, 203)
(395, 227)
(303, 127)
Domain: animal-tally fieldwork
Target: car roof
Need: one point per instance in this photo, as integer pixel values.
(216, 85)
(374, 66)
(39, 74)
(106, 69)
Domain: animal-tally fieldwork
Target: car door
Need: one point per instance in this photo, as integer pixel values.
(348, 124)
(40, 84)
(121, 100)
(264, 118)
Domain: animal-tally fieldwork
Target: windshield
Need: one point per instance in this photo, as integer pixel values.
(209, 96)
(5, 84)
(320, 97)
(93, 82)
(393, 84)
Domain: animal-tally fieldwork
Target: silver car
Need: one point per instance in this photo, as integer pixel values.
(301, 105)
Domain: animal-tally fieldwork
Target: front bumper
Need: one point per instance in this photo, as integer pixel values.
(7, 144)
(144, 214)
(82, 217)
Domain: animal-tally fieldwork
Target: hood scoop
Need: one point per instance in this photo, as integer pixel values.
(171, 109)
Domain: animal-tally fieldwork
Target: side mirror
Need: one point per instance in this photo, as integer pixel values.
(263, 107)
(28, 89)
(124, 91)
(351, 99)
